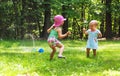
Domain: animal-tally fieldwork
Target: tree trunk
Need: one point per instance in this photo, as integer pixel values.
(22, 20)
(15, 2)
(108, 32)
(115, 27)
(47, 15)
(102, 26)
(65, 26)
(39, 28)
(82, 20)
(118, 22)
(83, 13)
(119, 27)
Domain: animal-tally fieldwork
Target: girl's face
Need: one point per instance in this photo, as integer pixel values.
(92, 26)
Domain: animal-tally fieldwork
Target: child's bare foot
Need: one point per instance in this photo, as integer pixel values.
(94, 55)
(88, 52)
(51, 59)
(61, 57)
(94, 52)
(87, 56)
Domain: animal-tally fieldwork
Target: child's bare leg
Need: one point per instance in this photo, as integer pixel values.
(53, 52)
(61, 46)
(88, 52)
(94, 52)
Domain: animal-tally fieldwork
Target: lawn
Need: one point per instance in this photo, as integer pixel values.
(17, 60)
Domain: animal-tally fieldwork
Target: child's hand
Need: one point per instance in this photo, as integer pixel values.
(68, 32)
(84, 29)
(52, 26)
(99, 35)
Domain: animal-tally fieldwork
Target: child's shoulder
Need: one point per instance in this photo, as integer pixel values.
(88, 30)
(57, 28)
(97, 30)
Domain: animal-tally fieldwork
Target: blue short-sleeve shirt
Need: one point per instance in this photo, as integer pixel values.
(92, 42)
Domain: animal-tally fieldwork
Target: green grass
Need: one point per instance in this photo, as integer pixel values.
(16, 61)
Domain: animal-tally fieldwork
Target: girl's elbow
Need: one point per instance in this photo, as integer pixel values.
(60, 37)
(48, 31)
(85, 33)
(100, 35)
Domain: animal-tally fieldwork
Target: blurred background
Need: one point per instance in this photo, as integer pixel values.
(21, 17)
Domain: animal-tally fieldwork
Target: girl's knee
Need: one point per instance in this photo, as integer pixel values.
(53, 50)
(62, 46)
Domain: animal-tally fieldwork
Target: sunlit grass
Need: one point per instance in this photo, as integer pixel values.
(16, 61)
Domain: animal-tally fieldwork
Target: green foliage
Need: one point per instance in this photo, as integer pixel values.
(18, 17)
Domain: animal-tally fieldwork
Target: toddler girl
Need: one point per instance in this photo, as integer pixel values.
(56, 32)
(93, 33)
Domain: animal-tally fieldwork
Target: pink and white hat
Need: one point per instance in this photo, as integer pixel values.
(58, 20)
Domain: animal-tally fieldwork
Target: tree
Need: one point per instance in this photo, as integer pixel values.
(119, 28)
(102, 14)
(18, 17)
(47, 16)
(108, 32)
(65, 26)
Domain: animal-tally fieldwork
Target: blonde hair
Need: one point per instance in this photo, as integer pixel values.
(94, 22)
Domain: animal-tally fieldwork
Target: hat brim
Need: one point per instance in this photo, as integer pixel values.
(64, 19)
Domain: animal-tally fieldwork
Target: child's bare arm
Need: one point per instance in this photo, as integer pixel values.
(50, 29)
(99, 34)
(60, 35)
(84, 31)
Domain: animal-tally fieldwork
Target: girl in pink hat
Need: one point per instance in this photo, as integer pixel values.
(55, 33)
